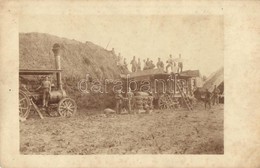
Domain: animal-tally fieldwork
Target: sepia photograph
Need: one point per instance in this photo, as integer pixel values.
(131, 84)
(121, 84)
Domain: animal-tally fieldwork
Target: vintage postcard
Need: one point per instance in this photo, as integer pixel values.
(129, 84)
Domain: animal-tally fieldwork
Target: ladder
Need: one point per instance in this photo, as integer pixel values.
(184, 97)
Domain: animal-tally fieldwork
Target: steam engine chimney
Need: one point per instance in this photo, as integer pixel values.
(56, 51)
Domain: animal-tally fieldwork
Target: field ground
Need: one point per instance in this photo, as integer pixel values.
(91, 132)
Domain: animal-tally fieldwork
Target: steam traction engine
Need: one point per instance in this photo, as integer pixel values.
(57, 97)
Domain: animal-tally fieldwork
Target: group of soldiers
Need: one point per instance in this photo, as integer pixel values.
(142, 102)
(212, 97)
(121, 62)
(174, 65)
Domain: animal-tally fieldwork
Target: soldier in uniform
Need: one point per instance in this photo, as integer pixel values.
(139, 65)
(130, 96)
(113, 51)
(207, 99)
(134, 64)
(151, 65)
(146, 64)
(46, 89)
(125, 64)
(216, 92)
(170, 63)
(119, 60)
(160, 64)
(119, 101)
(180, 64)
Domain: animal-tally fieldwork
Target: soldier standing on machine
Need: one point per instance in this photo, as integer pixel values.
(180, 64)
(170, 63)
(134, 64)
(139, 65)
(46, 89)
(160, 64)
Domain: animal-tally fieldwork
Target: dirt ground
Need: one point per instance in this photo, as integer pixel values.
(91, 132)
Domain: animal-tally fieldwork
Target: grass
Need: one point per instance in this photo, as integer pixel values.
(91, 132)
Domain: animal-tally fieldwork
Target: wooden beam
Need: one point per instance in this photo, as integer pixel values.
(37, 109)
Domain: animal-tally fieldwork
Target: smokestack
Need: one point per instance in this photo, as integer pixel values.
(56, 51)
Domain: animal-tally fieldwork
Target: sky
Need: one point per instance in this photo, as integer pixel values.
(198, 38)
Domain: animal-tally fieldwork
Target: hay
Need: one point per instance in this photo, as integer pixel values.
(77, 59)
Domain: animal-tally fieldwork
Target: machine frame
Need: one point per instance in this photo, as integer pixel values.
(181, 89)
(28, 98)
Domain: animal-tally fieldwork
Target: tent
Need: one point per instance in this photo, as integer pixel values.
(217, 78)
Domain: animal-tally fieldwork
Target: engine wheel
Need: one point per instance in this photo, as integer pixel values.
(24, 105)
(67, 107)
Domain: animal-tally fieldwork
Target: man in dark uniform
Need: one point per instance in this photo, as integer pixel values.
(151, 65)
(207, 98)
(216, 92)
(160, 64)
(119, 101)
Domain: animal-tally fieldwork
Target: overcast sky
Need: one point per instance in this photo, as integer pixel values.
(198, 38)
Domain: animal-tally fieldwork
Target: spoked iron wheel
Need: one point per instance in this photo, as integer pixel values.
(24, 105)
(162, 103)
(171, 102)
(67, 107)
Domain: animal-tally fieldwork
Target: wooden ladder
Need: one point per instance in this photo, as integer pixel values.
(184, 97)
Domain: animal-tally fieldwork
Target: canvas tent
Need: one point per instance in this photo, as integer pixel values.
(216, 78)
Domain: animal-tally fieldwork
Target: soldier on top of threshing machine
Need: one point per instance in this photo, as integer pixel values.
(46, 95)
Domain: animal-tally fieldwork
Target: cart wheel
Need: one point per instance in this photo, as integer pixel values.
(67, 107)
(24, 105)
(162, 103)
